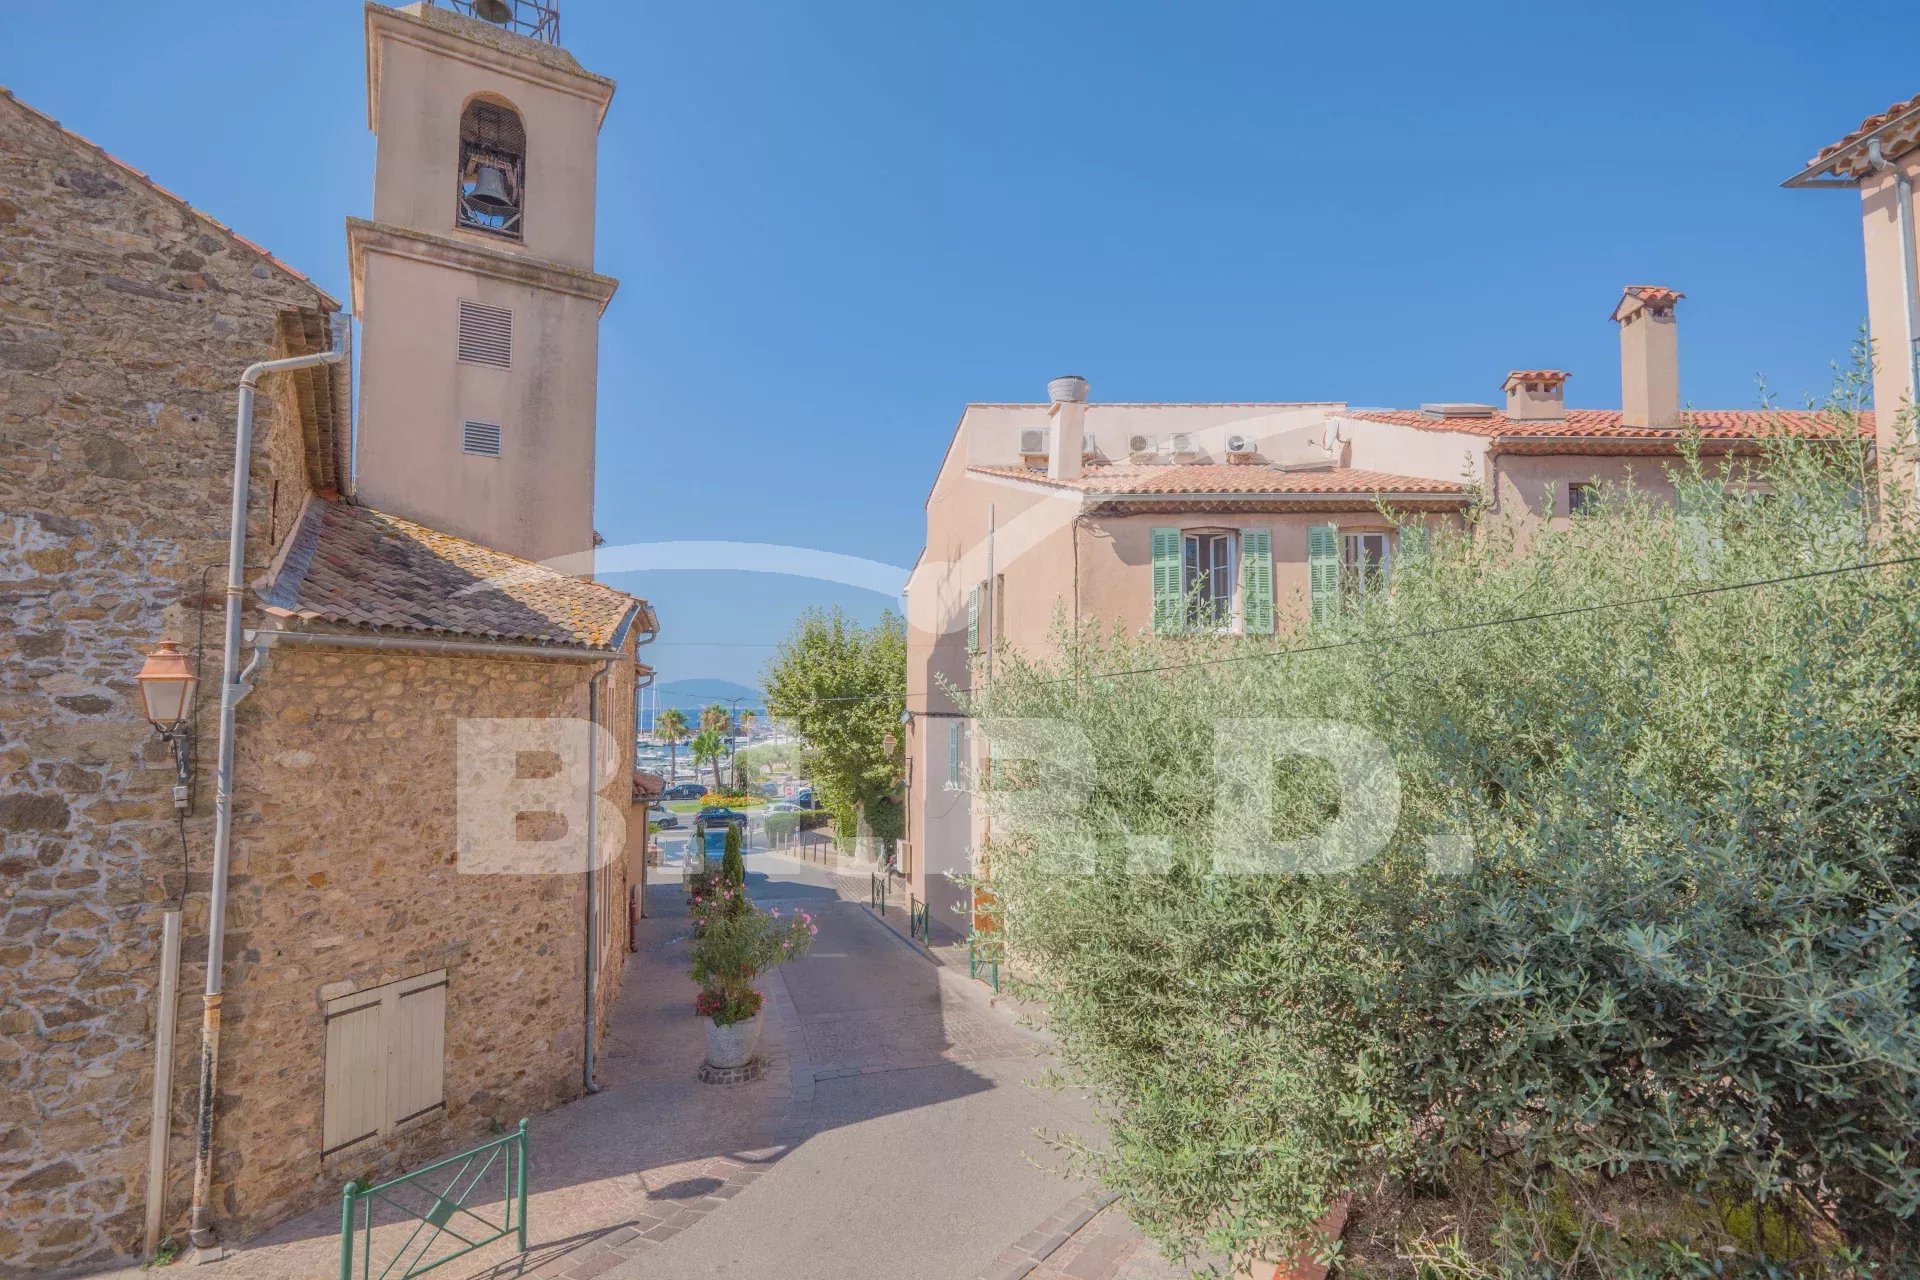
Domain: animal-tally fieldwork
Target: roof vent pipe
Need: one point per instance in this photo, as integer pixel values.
(1067, 406)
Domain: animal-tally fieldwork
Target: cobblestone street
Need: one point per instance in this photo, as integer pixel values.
(894, 1133)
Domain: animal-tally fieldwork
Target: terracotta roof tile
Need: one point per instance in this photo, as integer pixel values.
(148, 182)
(1553, 376)
(1606, 424)
(1227, 479)
(1655, 295)
(364, 568)
(1867, 126)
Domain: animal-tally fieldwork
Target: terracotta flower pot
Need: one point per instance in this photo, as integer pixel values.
(733, 1044)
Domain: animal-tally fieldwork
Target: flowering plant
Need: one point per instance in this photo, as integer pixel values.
(733, 950)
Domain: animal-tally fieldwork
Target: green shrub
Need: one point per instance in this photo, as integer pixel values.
(782, 826)
(1667, 933)
(733, 868)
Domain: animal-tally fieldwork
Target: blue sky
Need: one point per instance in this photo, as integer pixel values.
(837, 222)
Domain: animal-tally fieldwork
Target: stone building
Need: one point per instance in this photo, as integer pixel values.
(421, 942)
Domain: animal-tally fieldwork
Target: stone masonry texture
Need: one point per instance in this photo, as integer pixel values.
(125, 320)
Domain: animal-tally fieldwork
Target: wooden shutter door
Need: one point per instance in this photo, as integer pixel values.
(1256, 582)
(1167, 598)
(1323, 572)
(356, 1090)
(973, 618)
(417, 1047)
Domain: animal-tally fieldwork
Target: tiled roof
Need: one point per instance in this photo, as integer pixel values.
(364, 568)
(1554, 376)
(1867, 126)
(150, 184)
(1225, 478)
(1655, 295)
(1606, 424)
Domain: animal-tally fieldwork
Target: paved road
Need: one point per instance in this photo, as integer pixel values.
(917, 1154)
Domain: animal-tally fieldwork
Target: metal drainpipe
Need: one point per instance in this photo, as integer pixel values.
(231, 691)
(1909, 286)
(593, 849)
(593, 859)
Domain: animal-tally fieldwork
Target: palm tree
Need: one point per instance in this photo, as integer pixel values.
(708, 745)
(670, 727)
(714, 717)
(747, 718)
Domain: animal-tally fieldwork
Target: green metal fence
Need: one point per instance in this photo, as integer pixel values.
(919, 922)
(877, 892)
(434, 1199)
(983, 959)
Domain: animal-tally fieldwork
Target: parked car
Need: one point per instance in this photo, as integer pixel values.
(685, 791)
(783, 806)
(803, 798)
(665, 819)
(716, 815)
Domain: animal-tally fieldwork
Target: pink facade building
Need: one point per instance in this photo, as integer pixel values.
(1238, 519)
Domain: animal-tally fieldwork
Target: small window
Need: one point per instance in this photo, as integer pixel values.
(1365, 561)
(1582, 498)
(1206, 580)
(486, 334)
(953, 755)
(386, 1058)
(482, 439)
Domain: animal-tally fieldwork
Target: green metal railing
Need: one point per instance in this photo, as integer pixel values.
(919, 921)
(877, 892)
(437, 1196)
(978, 964)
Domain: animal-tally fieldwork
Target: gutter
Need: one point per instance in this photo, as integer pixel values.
(232, 690)
(1101, 499)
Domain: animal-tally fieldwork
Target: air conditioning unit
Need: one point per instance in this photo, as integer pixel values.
(1033, 440)
(1179, 442)
(1239, 444)
(1140, 444)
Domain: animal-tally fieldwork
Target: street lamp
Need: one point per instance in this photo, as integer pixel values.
(167, 684)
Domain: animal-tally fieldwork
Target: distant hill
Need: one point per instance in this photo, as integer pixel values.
(691, 695)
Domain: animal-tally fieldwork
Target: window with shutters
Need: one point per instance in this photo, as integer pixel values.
(486, 334)
(973, 616)
(386, 1053)
(482, 439)
(954, 744)
(1582, 498)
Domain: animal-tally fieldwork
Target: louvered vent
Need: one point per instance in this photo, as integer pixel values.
(482, 438)
(486, 334)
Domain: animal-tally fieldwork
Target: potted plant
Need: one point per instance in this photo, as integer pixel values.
(734, 948)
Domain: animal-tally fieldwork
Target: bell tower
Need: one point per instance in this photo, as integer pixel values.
(474, 282)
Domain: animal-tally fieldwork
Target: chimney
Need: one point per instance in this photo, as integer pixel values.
(1649, 356)
(1067, 408)
(1536, 395)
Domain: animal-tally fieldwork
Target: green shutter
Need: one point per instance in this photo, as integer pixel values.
(1256, 582)
(973, 618)
(1323, 572)
(1168, 603)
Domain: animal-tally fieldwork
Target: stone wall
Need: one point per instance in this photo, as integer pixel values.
(345, 876)
(125, 321)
